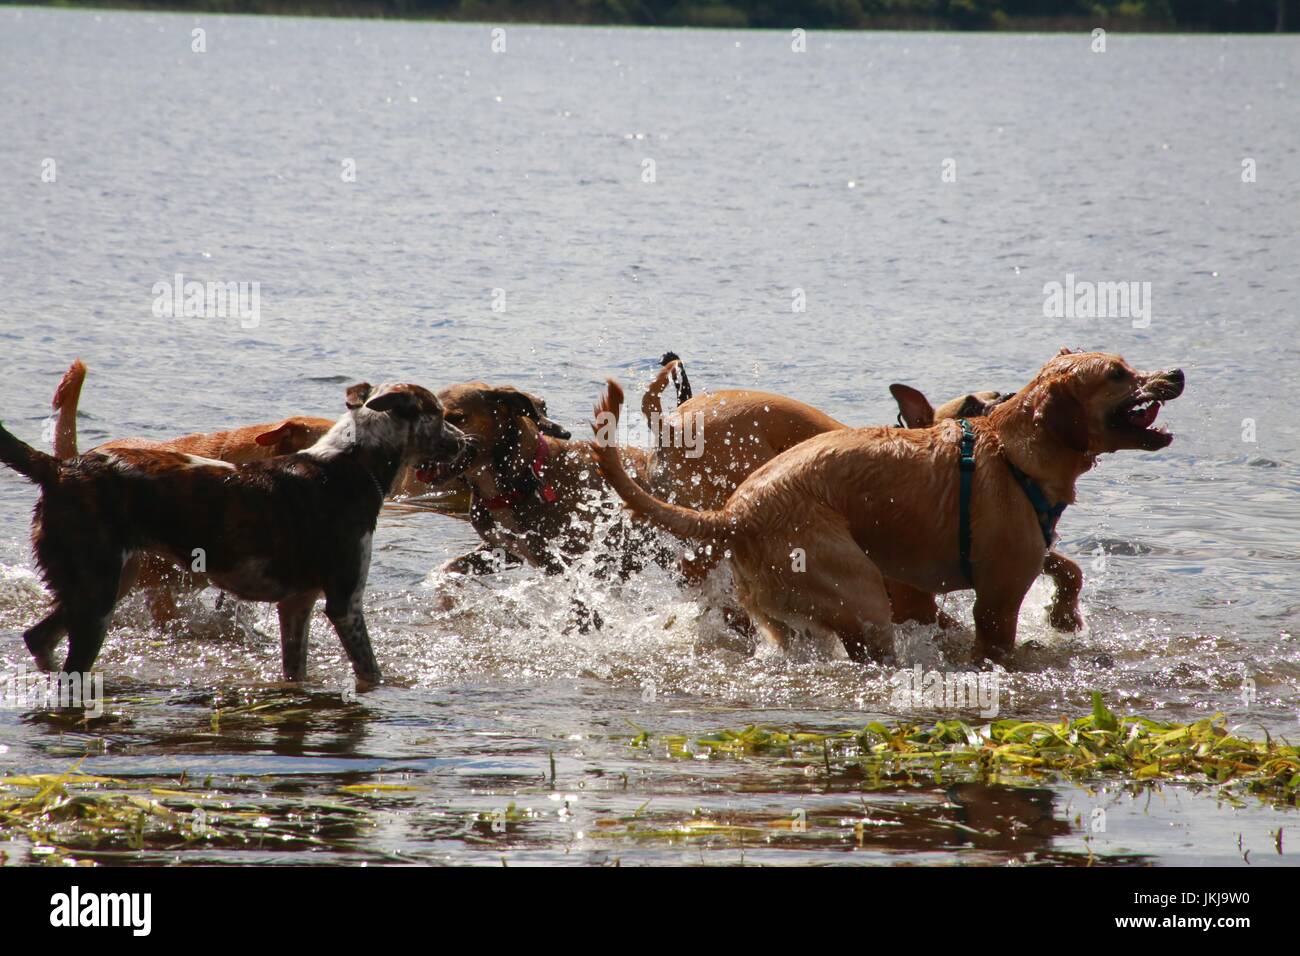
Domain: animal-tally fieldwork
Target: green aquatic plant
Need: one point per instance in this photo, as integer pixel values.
(72, 816)
(1012, 751)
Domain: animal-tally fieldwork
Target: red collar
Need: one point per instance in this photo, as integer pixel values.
(546, 492)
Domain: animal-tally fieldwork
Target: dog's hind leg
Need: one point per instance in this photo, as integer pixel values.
(295, 629)
(85, 593)
(830, 584)
(909, 604)
(853, 602)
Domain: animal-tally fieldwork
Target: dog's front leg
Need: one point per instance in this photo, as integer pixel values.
(295, 628)
(350, 625)
(345, 589)
(1068, 578)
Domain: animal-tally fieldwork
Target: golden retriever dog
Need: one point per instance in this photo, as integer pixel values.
(813, 534)
(755, 427)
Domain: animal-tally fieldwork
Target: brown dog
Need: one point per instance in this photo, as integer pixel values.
(814, 533)
(915, 411)
(531, 486)
(237, 446)
(755, 427)
(284, 530)
(534, 490)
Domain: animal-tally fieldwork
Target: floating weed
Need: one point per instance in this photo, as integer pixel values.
(1013, 751)
(74, 814)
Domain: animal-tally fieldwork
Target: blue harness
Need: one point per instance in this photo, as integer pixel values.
(1046, 512)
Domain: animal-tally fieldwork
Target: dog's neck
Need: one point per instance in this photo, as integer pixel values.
(511, 467)
(379, 455)
(1043, 457)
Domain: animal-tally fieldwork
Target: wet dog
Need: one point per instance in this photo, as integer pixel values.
(158, 577)
(814, 533)
(283, 530)
(748, 428)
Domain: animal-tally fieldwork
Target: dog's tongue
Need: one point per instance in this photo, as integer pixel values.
(427, 473)
(1144, 416)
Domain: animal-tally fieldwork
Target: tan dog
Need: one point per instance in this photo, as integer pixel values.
(915, 411)
(237, 446)
(749, 428)
(533, 487)
(814, 533)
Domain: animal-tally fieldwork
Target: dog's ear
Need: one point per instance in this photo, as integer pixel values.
(276, 435)
(398, 402)
(914, 408)
(289, 436)
(1063, 415)
(357, 395)
(529, 406)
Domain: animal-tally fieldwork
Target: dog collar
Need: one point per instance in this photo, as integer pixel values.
(375, 481)
(545, 491)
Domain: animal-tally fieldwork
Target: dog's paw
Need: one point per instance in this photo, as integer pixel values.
(367, 682)
(1065, 617)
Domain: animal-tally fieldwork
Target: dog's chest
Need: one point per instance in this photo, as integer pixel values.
(254, 579)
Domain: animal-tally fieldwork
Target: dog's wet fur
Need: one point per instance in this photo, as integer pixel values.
(871, 504)
(286, 529)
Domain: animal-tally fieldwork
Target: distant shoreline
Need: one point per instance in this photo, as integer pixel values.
(682, 16)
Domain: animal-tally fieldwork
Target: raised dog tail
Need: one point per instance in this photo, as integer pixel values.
(683, 522)
(66, 397)
(26, 460)
(674, 370)
(680, 381)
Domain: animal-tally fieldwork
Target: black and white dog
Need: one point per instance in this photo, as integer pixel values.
(285, 530)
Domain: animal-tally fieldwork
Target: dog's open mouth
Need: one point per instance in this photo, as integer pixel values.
(1137, 417)
(436, 472)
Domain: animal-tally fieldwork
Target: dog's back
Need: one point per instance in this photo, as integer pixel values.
(726, 435)
(285, 511)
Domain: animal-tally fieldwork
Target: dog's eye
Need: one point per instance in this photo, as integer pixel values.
(1117, 373)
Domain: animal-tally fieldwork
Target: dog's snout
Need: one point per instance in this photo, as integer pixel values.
(1167, 384)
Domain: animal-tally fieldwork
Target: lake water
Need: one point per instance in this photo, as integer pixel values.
(387, 184)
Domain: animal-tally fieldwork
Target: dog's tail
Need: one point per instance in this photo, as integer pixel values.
(26, 460)
(683, 522)
(680, 381)
(674, 370)
(66, 397)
